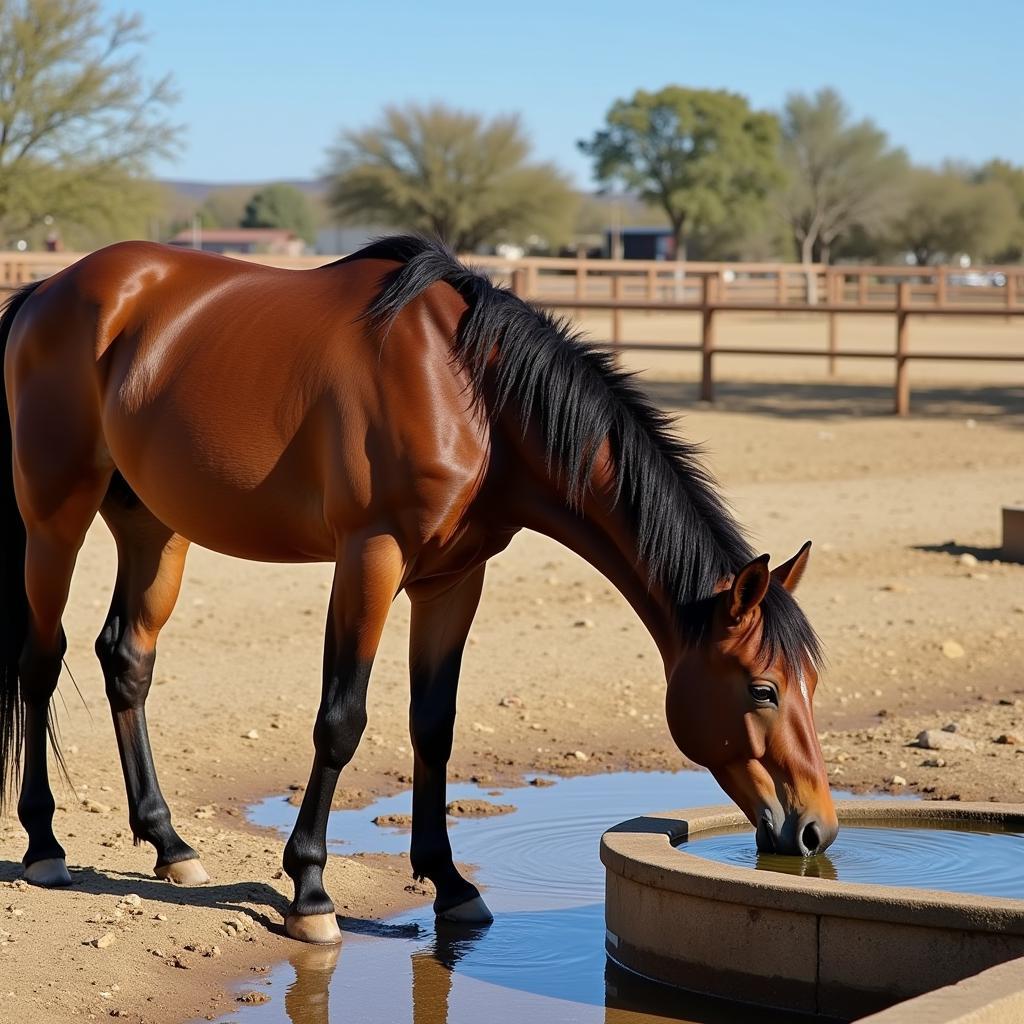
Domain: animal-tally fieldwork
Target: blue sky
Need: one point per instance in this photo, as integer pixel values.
(267, 85)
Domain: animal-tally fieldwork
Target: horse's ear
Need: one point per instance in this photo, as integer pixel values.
(748, 588)
(790, 573)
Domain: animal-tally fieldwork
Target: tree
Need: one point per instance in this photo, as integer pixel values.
(1012, 178)
(224, 207)
(945, 214)
(78, 124)
(452, 174)
(280, 206)
(838, 173)
(703, 156)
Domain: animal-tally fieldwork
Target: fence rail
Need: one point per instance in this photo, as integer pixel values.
(712, 289)
(711, 302)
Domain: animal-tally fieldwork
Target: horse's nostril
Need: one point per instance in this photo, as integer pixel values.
(810, 838)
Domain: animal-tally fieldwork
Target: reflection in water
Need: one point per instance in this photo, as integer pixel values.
(308, 997)
(821, 866)
(952, 859)
(543, 958)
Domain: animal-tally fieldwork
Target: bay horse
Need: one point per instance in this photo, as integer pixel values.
(396, 414)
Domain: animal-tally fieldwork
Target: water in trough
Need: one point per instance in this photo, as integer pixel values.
(953, 858)
(543, 959)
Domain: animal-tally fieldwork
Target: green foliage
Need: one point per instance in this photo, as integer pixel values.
(280, 206)
(224, 207)
(1012, 178)
(945, 213)
(78, 124)
(703, 156)
(452, 174)
(839, 173)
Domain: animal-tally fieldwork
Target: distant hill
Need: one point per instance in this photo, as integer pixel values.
(197, 191)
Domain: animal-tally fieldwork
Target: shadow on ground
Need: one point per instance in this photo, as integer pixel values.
(954, 549)
(231, 898)
(827, 399)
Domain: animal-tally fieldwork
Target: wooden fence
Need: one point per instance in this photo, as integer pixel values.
(711, 289)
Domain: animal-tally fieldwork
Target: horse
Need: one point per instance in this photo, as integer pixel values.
(399, 415)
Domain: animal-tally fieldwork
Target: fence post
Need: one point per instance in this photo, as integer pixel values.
(707, 339)
(942, 285)
(616, 313)
(902, 339)
(518, 282)
(862, 288)
(581, 280)
(531, 279)
(1011, 290)
(781, 293)
(652, 284)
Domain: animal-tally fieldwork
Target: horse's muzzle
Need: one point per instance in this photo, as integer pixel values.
(800, 836)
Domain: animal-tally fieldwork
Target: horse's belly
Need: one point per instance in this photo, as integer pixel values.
(220, 493)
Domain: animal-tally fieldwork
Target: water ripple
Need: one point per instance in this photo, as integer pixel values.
(980, 863)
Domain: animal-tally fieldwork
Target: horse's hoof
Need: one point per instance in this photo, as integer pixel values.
(51, 872)
(473, 911)
(320, 929)
(183, 872)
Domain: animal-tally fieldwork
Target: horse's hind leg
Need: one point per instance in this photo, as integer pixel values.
(440, 626)
(366, 579)
(54, 535)
(150, 562)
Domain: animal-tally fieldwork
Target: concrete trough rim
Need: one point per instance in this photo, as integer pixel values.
(643, 850)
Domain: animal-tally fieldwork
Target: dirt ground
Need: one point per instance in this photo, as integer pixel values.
(559, 677)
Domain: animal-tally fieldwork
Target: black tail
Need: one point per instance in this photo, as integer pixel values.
(13, 601)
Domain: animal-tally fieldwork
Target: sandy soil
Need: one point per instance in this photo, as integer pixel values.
(559, 677)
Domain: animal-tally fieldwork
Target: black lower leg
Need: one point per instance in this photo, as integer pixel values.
(339, 727)
(39, 673)
(432, 723)
(128, 675)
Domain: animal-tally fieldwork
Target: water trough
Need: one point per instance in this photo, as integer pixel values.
(814, 944)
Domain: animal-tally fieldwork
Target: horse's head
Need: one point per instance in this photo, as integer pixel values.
(741, 707)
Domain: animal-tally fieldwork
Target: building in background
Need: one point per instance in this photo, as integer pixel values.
(640, 243)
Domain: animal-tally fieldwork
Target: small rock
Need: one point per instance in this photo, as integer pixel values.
(130, 900)
(254, 998)
(583, 624)
(951, 727)
(951, 649)
(1009, 738)
(160, 917)
(968, 559)
(896, 588)
(252, 734)
(934, 762)
(579, 755)
(393, 820)
(481, 727)
(896, 780)
(206, 811)
(538, 781)
(104, 941)
(95, 807)
(937, 739)
(510, 702)
(477, 809)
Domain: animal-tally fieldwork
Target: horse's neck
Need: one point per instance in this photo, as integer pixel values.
(600, 534)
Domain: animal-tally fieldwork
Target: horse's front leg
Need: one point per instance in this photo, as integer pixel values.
(366, 579)
(440, 626)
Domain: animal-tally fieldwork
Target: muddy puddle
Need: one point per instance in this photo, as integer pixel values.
(542, 960)
(953, 859)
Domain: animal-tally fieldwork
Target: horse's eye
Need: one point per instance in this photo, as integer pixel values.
(764, 694)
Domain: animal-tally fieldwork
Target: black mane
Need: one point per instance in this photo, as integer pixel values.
(686, 535)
